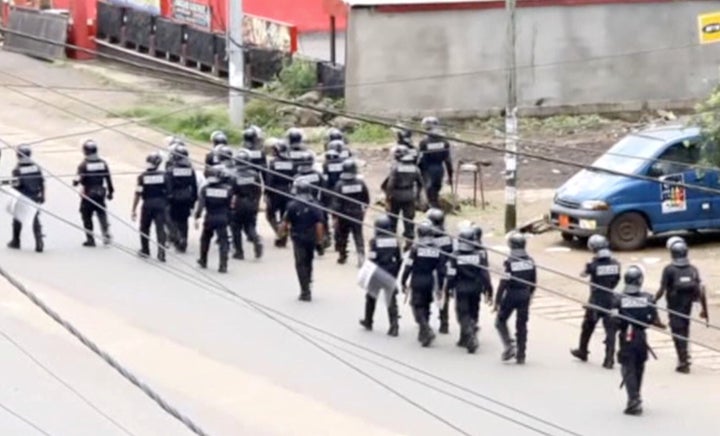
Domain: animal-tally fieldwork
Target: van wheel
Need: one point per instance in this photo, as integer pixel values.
(629, 231)
(567, 237)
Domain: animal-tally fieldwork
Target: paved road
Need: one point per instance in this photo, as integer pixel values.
(236, 371)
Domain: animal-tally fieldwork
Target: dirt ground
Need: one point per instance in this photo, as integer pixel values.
(115, 89)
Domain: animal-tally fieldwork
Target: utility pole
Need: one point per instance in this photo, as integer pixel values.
(511, 123)
(236, 61)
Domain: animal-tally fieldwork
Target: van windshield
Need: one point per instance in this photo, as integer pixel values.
(629, 155)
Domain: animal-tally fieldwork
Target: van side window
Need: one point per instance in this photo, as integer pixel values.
(678, 158)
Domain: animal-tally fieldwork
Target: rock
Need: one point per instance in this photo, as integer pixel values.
(312, 97)
(667, 115)
(345, 124)
(307, 117)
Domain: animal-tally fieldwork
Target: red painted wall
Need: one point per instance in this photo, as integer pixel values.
(307, 15)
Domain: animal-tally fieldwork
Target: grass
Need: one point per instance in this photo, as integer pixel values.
(370, 134)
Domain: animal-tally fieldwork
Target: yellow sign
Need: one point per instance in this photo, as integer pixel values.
(709, 27)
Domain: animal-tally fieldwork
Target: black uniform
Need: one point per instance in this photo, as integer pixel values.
(183, 195)
(604, 272)
(153, 187)
(683, 285)
(384, 251)
(445, 244)
(214, 198)
(332, 168)
(303, 217)
(258, 158)
(279, 178)
(247, 192)
(212, 159)
(424, 262)
(317, 186)
(27, 178)
(514, 296)
(434, 154)
(467, 278)
(347, 189)
(403, 189)
(633, 353)
(93, 175)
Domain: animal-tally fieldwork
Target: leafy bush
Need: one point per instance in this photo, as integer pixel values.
(370, 133)
(298, 77)
(708, 118)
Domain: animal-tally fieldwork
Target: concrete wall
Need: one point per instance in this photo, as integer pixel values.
(316, 45)
(452, 62)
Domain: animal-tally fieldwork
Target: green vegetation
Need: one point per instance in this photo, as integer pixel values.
(370, 134)
(297, 78)
(708, 118)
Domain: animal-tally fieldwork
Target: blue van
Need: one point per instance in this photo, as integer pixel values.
(627, 209)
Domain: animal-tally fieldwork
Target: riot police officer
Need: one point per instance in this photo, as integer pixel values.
(403, 136)
(152, 188)
(604, 273)
(256, 152)
(278, 183)
(403, 190)
(445, 244)
(334, 134)
(295, 140)
(94, 176)
(246, 204)
(422, 266)
(637, 311)
(218, 140)
(467, 279)
(304, 221)
(214, 198)
(173, 145)
(434, 154)
(514, 293)
(384, 251)
(27, 179)
(332, 167)
(350, 203)
(304, 164)
(681, 281)
(183, 195)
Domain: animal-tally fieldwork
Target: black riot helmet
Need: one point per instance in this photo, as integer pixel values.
(679, 252)
(597, 243)
(466, 239)
(242, 159)
(23, 153)
(331, 155)
(90, 148)
(180, 154)
(430, 123)
(399, 151)
(404, 136)
(634, 278)
(383, 225)
(294, 136)
(214, 175)
(436, 216)
(250, 135)
(302, 188)
(477, 232)
(517, 241)
(225, 153)
(218, 138)
(335, 134)
(408, 158)
(349, 169)
(425, 229)
(336, 145)
(305, 162)
(153, 160)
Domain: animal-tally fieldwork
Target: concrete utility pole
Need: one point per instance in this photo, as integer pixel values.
(236, 61)
(511, 123)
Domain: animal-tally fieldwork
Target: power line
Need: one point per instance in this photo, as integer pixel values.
(333, 193)
(67, 385)
(23, 419)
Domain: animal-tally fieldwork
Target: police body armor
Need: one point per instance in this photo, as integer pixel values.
(314, 179)
(217, 200)
(183, 182)
(154, 186)
(605, 275)
(354, 189)
(685, 282)
(638, 307)
(247, 189)
(281, 176)
(333, 169)
(28, 180)
(434, 152)
(404, 178)
(385, 253)
(522, 270)
(468, 271)
(93, 172)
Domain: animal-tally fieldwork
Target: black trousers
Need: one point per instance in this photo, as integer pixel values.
(275, 206)
(444, 313)
(633, 369)
(244, 221)
(520, 305)
(371, 304)
(37, 230)
(87, 210)
(177, 223)
(467, 308)
(679, 325)
(218, 225)
(304, 252)
(406, 210)
(589, 323)
(344, 228)
(152, 215)
(433, 177)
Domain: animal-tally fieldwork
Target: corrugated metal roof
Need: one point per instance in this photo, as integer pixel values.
(352, 3)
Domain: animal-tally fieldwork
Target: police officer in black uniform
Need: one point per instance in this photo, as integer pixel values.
(403, 137)
(513, 295)
(278, 182)
(218, 140)
(332, 167)
(295, 140)
(94, 176)
(445, 244)
(152, 187)
(246, 204)
(173, 145)
(422, 266)
(334, 134)
(304, 221)
(350, 203)
(467, 278)
(27, 179)
(304, 164)
(384, 251)
(604, 273)
(434, 154)
(215, 198)
(637, 311)
(183, 195)
(403, 190)
(252, 143)
(681, 281)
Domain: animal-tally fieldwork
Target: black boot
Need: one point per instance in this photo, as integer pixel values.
(15, 242)
(634, 407)
(580, 354)
(342, 258)
(394, 330)
(161, 255)
(39, 245)
(393, 316)
(258, 250)
(471, 344)
(609, 361)
(509, 353)
(683, 367)
(223, 267)
(367, 321)
(239, 255)
(367, 324)
(89, 241)
(202, 261)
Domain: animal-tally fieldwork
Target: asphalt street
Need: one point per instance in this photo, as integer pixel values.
(281, 368)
